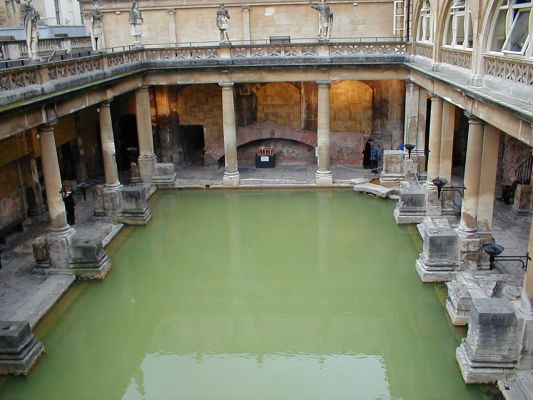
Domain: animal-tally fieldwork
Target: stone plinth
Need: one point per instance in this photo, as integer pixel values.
(411, 207)
(88, 259)
(393, 168)
(106, 200)
(19, 348)
(134, 208)
(468, 285)
(489, 351)
(164, 175)
(469, 248)
(522, 199)
(437, 263)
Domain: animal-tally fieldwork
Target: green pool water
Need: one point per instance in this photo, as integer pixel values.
(254, 295)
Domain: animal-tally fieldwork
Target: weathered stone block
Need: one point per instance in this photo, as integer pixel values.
(393, 168)
(522, 199)
(134, 208)
(106, 200)
(489, 351)
(469, 249)
(411, 207)
(88, 258)
(437, 262)
(40, 253)
(164, 175)
(19, 348)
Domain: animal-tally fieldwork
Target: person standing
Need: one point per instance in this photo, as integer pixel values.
(70, 204)
(366, 154)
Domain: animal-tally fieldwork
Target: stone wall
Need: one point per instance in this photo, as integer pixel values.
(187, 21)
(350, 107)
(202, 105)
(279, 103)
(11, 202)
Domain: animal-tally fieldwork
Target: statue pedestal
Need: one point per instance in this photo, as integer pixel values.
(489, 352)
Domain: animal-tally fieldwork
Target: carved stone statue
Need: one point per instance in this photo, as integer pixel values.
(31, 16)
(223, 23)
(326, 19)
(96, 26)
(136, 22)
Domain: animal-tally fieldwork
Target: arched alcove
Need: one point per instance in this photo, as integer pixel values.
(279, 103)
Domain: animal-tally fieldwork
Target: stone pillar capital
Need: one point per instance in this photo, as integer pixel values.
(245, 7)
(143, 88)
(435, 98)
(472, 119)
(106, 103)
(226, 85)
(409, 83)
(47, 128)
(324, 82)
(172, 11)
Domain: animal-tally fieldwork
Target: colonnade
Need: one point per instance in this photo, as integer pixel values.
(480, 174)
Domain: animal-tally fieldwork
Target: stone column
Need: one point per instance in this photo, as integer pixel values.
(474, 151)
(526, 301)
(435, 128)
(108, 147)
(487, 181)
(446, 141)
(412, 94)
(172, 26)
(147, 157)
(52, 182)
(421, 129)
(231, 174)
(433, 205)
(323, 174)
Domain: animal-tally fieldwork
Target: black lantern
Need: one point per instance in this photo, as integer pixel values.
(494, 250)
(83, 186)
(409, 148)
(441, 182)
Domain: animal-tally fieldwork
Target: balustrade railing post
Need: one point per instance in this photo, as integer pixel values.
(43, 74)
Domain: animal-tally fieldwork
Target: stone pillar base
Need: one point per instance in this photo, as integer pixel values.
(479, 372)
(433, 273)
(393, 168)
(459, 300)
(469, 248)
(88, 259)
(437, 261)
(231, 179)
(433, 202)
(411, 207)
(106, 200)
(134, 208)
(19, 348)
(324, 178)
(57, 247)
(147, 167)
(164, 175)
(522, 200)
(489, 352)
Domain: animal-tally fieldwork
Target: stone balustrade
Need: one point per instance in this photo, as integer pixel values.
(518, 71)
(459, 58)
(28, 81)
(16, 49)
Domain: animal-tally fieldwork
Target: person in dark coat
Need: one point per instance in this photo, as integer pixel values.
(70, 205)
(366, 154)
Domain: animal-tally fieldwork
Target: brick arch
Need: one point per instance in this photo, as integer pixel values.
(214, 150)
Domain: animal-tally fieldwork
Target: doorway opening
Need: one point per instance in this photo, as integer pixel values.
(193, 144)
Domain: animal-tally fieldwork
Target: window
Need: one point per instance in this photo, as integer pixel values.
(510, 31)
(425, 24)
(458, 27)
